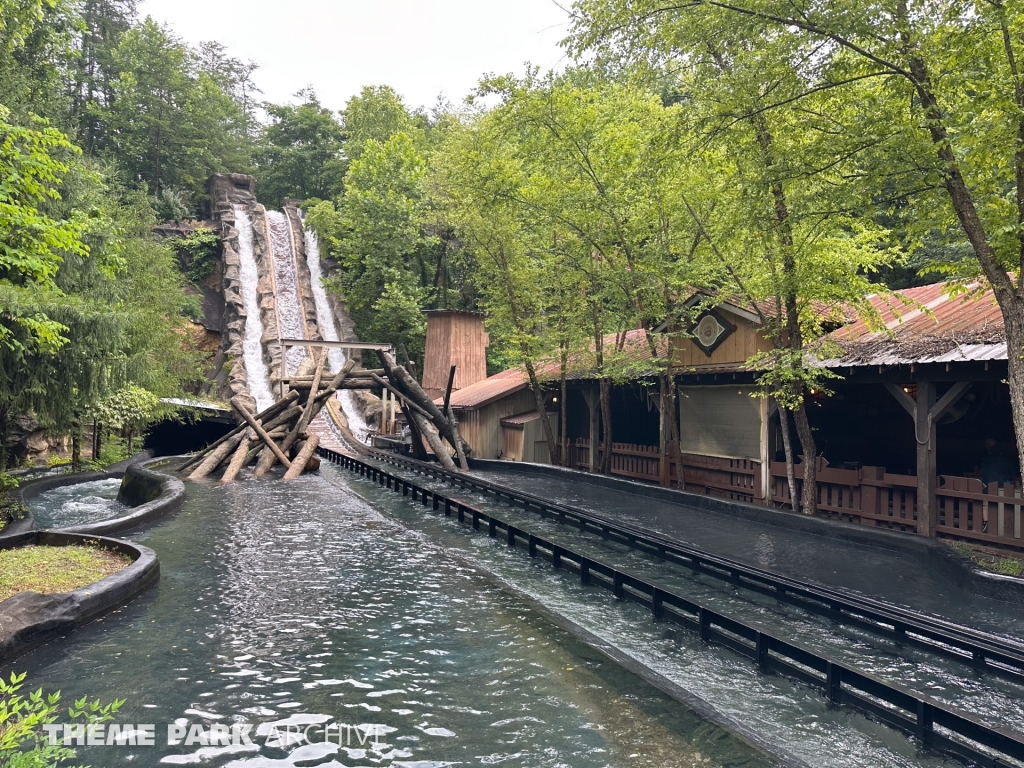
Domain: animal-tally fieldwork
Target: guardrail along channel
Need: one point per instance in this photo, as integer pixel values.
(935, 724)
(984, 651)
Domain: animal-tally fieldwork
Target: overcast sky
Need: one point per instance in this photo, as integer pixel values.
(422, 48)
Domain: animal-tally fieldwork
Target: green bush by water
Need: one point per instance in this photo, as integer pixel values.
(23, 742)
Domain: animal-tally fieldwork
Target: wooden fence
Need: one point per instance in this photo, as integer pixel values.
(967, 511)
(737, 479)
(867, 496)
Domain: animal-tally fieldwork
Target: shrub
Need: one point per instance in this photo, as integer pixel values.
(23, 743)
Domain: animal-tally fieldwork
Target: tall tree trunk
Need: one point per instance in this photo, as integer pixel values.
(98, 445)
(76, 447)
(1014, 324)
(538, 398)
(664, 431)
(809, 496)
(787, 447)
(563, 414)
(606, 417)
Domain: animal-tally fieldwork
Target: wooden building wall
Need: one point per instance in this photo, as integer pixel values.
(482, 427)
(454, 338)
(527, 442)
(745, 342)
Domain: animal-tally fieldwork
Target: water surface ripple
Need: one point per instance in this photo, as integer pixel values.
(299, 602)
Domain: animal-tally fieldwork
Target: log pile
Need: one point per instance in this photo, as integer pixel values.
(279, 433)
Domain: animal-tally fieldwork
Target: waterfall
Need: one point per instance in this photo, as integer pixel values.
(325, 320)
(252, 356)
(290, 314)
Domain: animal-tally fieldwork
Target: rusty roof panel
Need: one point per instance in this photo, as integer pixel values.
(520, 419)
(487, 391)
(926, 325)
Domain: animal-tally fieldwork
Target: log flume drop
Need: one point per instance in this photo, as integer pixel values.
(328, 329)
(255, 366)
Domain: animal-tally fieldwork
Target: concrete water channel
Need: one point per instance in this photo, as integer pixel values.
(334, 599)
(985, 697)
(303, 603)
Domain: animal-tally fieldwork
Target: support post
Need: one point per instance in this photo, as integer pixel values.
(236, 404)
(926, 412)
(764, 493)
(924, 434)
(591, 396)
(664, 428)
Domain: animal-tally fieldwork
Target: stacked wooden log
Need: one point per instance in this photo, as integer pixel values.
(279, 433)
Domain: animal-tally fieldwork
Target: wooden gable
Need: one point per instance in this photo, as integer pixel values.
(724, 336)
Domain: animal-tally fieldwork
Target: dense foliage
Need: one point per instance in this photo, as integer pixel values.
(790, 155)
(91, 303)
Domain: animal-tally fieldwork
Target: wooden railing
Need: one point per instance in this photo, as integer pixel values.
(967, 511)
(867, 496)
(737, 479)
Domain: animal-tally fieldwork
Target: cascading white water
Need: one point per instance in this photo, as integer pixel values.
(252, 354)
(325, 320)
(286, 288)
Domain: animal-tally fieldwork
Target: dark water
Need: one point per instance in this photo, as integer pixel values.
(297, 602)
(77, 504)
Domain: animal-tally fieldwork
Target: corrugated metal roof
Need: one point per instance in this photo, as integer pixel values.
(925, 325)
(922, 325)
(488, 390)
(520, 419)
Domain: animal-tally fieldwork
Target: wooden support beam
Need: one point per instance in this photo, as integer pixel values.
(905, 400)
(406, 403)
(433, 440)
(302, 459)
(924, 436)
(305, 386)
(215, 459)
(312, 408)
(411, 388)
(925, 412)
(594, 407)
(236, 404)
(273, 410)
(237, 460)
(949, 399)
(336, 382)
(355, 373)
(448, 391)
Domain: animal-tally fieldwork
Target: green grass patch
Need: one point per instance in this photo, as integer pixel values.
(55, 569)
(1010, 566)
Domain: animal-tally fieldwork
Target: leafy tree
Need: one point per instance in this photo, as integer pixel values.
(35, 44)
(171, 123)
(130, 408)
(573, 192)
(94, 70)
(377, 114)
(376, 237)
(300, 152)
(931, 96)
(201, 246)
(33, 242)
